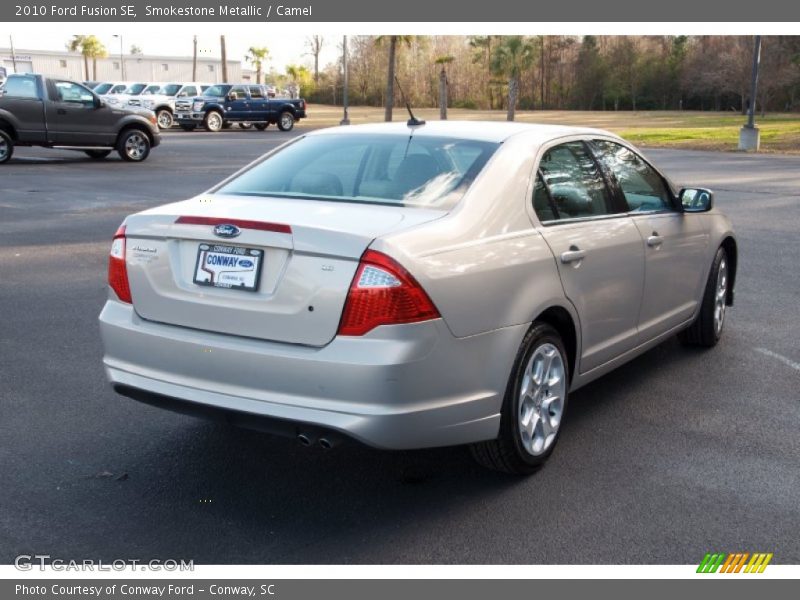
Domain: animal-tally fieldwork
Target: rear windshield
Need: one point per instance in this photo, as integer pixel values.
(393, 169)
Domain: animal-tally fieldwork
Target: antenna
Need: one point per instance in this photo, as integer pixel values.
(413, 121)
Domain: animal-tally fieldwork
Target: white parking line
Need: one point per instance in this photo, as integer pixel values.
(787, 361)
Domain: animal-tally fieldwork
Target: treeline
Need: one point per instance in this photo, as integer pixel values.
(568, 72)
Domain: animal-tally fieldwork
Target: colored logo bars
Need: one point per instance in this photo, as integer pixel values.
(734, 563)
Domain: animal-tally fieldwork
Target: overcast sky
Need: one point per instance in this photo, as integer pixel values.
(284, 49)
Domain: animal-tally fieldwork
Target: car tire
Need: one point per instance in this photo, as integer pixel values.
(133, 145)
(532, 413)
(286, 121)
(706, 330)
(262, 126)
(6, 147)
(164, 119)
(245, 125)
(213, 121)
(188, 127)
(97, 154)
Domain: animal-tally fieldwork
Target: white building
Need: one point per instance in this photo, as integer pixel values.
(139, 67)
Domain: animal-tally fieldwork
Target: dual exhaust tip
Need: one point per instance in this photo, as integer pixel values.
(324, 442)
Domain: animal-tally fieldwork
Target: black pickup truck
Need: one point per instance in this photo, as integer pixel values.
(56, 113)
(223, 104)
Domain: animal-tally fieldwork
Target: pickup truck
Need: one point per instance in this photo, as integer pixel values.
(162, 102)
(223, 104)
(57, 113)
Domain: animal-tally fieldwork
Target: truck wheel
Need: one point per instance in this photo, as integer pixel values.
(97, 154)
(213, 121)
(245, 125)
(188, 127)
(133, 145)
(164, 118)
(262, 126)
(6, 147)
(286, 121)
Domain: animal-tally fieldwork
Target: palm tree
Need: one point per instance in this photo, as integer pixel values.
(90, 47)
(300, 77)
(444, 61)
(393, 41)
(76, 44)
(509, 59)
(257, 55)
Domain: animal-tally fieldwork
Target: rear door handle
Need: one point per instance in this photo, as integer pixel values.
(655, 240)
(574, 254)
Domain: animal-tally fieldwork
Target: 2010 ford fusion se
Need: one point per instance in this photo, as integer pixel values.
(412, 286)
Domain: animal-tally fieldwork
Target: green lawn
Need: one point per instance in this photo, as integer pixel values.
(780, 132)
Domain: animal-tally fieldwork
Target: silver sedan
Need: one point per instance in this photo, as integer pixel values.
(413, 285)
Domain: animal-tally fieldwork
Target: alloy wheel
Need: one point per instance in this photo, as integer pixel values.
(541, 399)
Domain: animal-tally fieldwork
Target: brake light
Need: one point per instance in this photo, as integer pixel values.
(117, 271)
(383, 293)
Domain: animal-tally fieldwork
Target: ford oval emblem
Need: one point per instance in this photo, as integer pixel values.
(245, 264)
(226, 230)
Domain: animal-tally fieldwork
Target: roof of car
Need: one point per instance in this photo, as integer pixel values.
(488, 131)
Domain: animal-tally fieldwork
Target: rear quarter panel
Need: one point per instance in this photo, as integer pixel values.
(485, 266)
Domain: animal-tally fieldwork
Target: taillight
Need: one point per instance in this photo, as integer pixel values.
(117, 271)
(383, 293)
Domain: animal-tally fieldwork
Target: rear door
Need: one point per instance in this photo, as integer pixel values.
(259, 106)
(674, 243)
(597, 247)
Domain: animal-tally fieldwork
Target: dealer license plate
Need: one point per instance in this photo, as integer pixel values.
(232, 267)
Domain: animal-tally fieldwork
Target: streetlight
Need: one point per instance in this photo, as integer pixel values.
(346, 118)
(749, 135)
(121, 59)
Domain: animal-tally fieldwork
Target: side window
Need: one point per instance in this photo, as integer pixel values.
(575, 185)
(240, 91)
(255, 92)
(21, 87)
(190, 90)
(643, 187)
(72, 92)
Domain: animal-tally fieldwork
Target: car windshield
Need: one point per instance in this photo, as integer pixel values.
(151, 89)
(394, 169)
(103, 88)
(170, 90)
(136, 89)
(217, 90)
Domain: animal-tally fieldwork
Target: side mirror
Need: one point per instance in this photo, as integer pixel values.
(696, 200)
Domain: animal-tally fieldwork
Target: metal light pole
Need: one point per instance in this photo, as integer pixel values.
(346, 118)
(749, 135)
(13, 54)
(121, 59)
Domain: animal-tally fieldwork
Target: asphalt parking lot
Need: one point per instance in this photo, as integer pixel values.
(678, 453)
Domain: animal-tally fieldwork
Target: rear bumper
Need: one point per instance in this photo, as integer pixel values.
(402, 387)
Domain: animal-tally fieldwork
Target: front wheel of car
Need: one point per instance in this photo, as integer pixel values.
(706, 330)
(164, 119)
(97, 154)
(213, 122)
(533, 407)
(6, 147)
(133, 145)
(286, 121)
